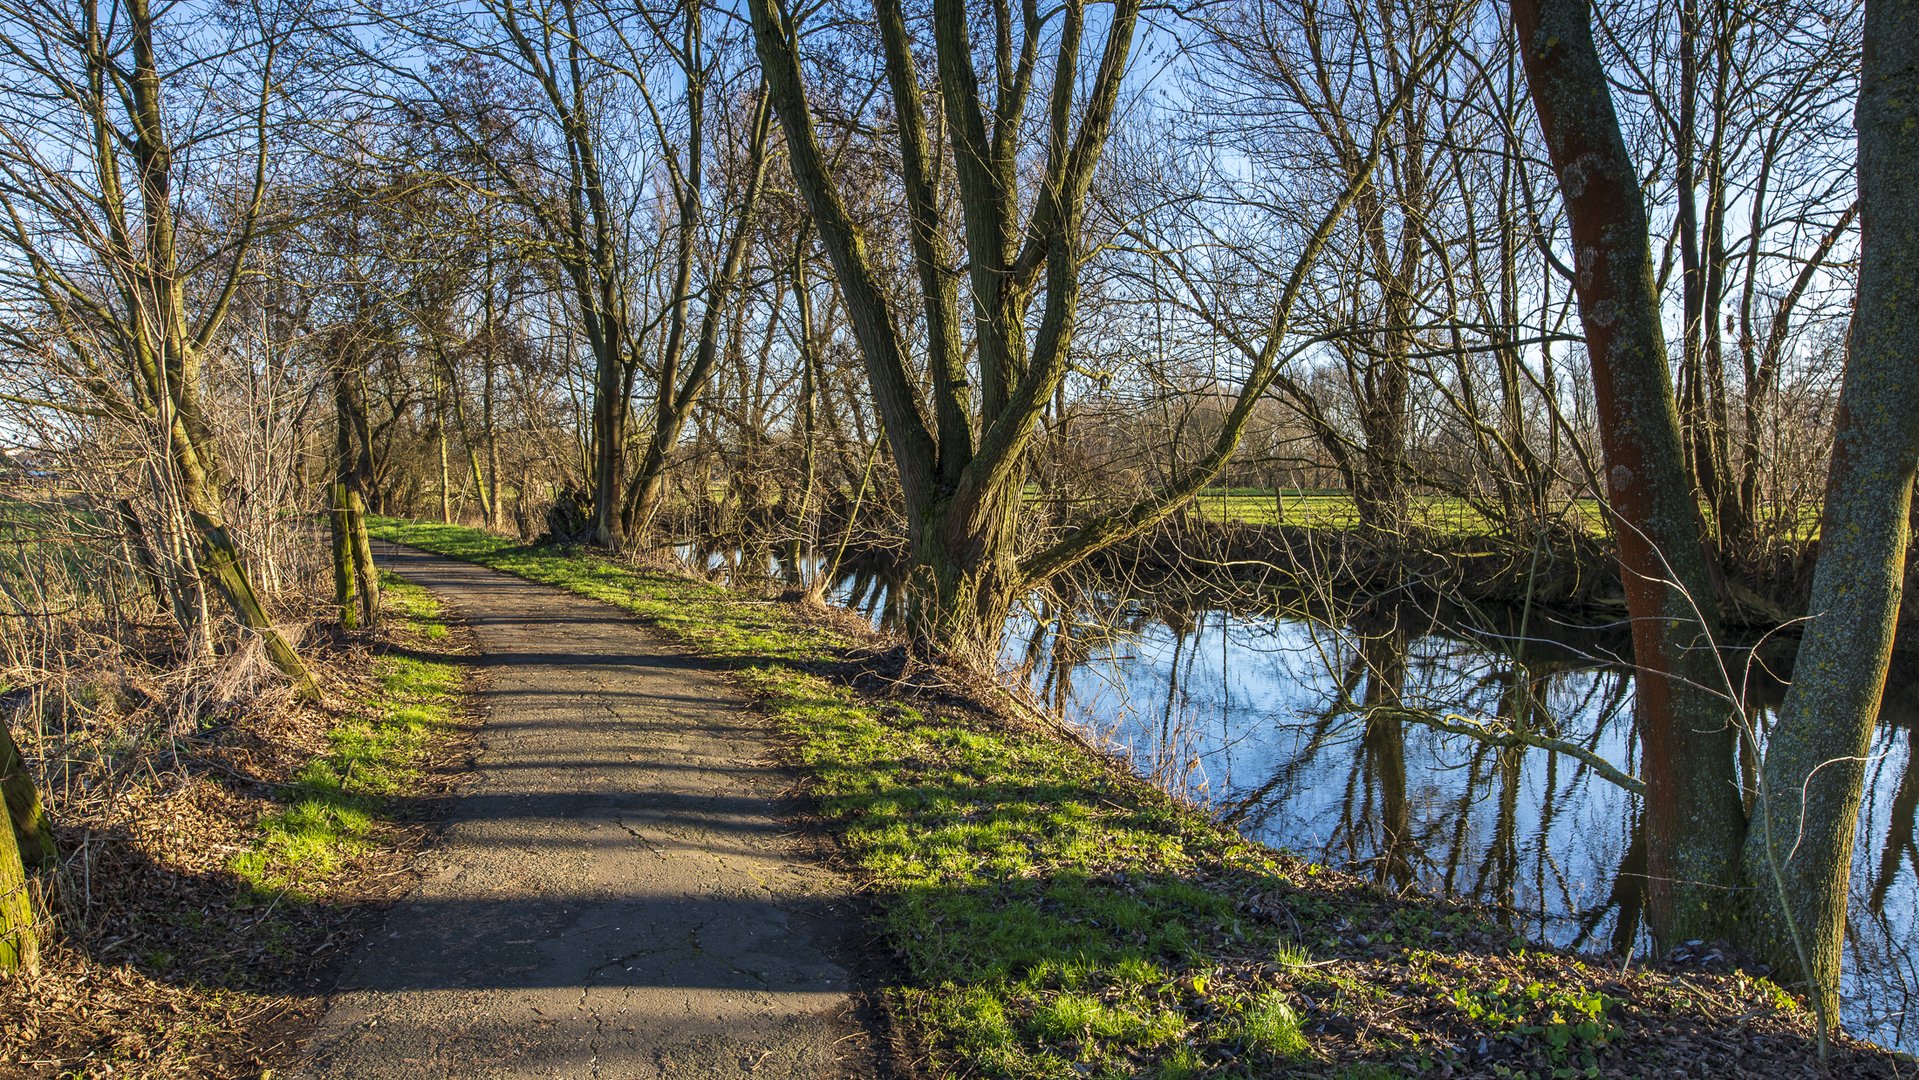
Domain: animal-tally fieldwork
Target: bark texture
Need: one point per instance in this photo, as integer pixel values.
(1799, 850)
(31, 830)
(19, 936)
(1694, 814)
(28, 842)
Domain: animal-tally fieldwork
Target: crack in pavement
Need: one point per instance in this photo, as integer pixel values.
(642, 838)
(728, 948)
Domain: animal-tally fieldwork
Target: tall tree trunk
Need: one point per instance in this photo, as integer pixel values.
(221, 562)
(961, 495)
(352, 547)
(1694, 816)
(31, 830)
(345, 594)
(647, 494)
(489, 487)
(446, 474)
(492, 485)
(368, 575)
(609, 450)
(809, 419)
(19, 930)
(1799, 850)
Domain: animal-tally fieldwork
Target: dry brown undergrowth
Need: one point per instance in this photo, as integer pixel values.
(161, 961)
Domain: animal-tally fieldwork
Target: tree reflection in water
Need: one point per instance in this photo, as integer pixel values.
(1282, 721)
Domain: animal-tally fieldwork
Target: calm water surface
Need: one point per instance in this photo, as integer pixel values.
(1264, 718)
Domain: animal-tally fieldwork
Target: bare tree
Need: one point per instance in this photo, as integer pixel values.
(1799, 849)
(961, 437)
(124, 263)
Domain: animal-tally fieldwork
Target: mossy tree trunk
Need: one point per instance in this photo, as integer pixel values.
(1799, 850)
(31, 830)
(963, 575)
(345, 594)
(19, 929)
(960, 432)
(355, 579)
(363, 568)
(1695, 819)
(27, 845)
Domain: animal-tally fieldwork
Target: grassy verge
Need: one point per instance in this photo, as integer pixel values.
(336, 799)
(1053, 916)
(225, 846)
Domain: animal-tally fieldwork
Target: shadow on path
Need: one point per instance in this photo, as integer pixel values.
(619, 894)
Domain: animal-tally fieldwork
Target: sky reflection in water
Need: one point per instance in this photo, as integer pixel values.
(1261, 717)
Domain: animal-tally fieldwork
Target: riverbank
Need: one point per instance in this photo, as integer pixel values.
(1046, 913)
(224, 846)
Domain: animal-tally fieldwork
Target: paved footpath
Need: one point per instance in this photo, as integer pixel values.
(619, 894)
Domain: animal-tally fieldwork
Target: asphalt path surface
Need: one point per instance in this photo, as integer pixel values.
(621, 892)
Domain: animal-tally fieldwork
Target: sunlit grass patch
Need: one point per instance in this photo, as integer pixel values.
(303, 845)
(1334, 509)
(1269, 1024)
(373, 752)
(1052, 916)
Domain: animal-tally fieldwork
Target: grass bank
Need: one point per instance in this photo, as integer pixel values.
(225, 847)
(339, 800)
(1053, 916)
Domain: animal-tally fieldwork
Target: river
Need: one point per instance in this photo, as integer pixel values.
(1264, 714)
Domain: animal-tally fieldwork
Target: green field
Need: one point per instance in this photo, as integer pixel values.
(1333, 509)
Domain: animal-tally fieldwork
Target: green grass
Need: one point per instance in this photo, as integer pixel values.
(1257, 506)
(1332, 509)
(335, 803)
(1052, 916)
(1271, 1024)
(1443, 514)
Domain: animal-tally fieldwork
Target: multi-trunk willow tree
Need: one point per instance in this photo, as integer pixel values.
(1775, 880)
(997, 216)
